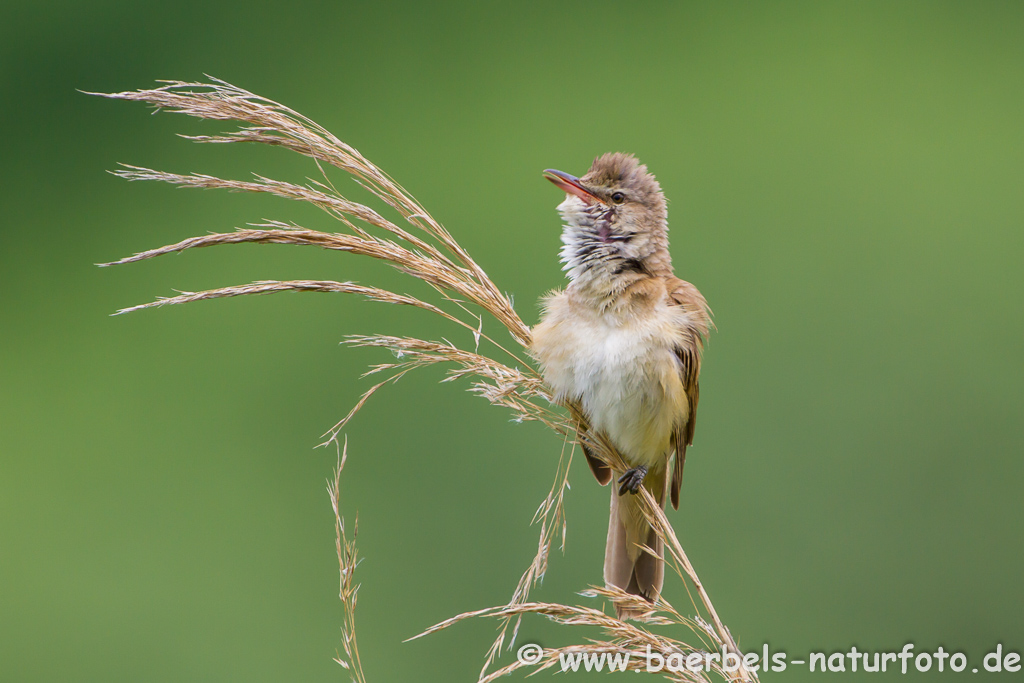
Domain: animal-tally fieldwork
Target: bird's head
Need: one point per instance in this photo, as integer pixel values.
(615, 221)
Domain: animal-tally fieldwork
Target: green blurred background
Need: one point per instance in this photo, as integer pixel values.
(845, 184)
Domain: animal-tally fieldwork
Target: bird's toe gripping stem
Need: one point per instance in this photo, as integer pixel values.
(632, 480)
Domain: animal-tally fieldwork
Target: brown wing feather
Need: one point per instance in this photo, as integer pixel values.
(684, 437)
(601, 471)
(688, 350)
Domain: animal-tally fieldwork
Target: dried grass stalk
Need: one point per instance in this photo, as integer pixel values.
(348, 560)
(428, 252)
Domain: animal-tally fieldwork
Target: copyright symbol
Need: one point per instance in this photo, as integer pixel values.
(529, 654)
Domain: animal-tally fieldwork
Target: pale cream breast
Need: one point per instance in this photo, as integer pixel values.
(621, 367)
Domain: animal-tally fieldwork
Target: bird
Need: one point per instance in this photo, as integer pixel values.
(623, 342)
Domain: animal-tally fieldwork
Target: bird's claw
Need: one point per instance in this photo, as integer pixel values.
(632, 480)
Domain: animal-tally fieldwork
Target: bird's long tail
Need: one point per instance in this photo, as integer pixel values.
(625, 564)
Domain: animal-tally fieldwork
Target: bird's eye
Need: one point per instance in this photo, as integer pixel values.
(618, 197)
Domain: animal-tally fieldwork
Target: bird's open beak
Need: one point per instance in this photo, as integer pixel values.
(570, 184)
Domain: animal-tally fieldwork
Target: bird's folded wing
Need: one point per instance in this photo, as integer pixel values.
(689, 346)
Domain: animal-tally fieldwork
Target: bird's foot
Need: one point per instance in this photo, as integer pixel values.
(632, 480)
